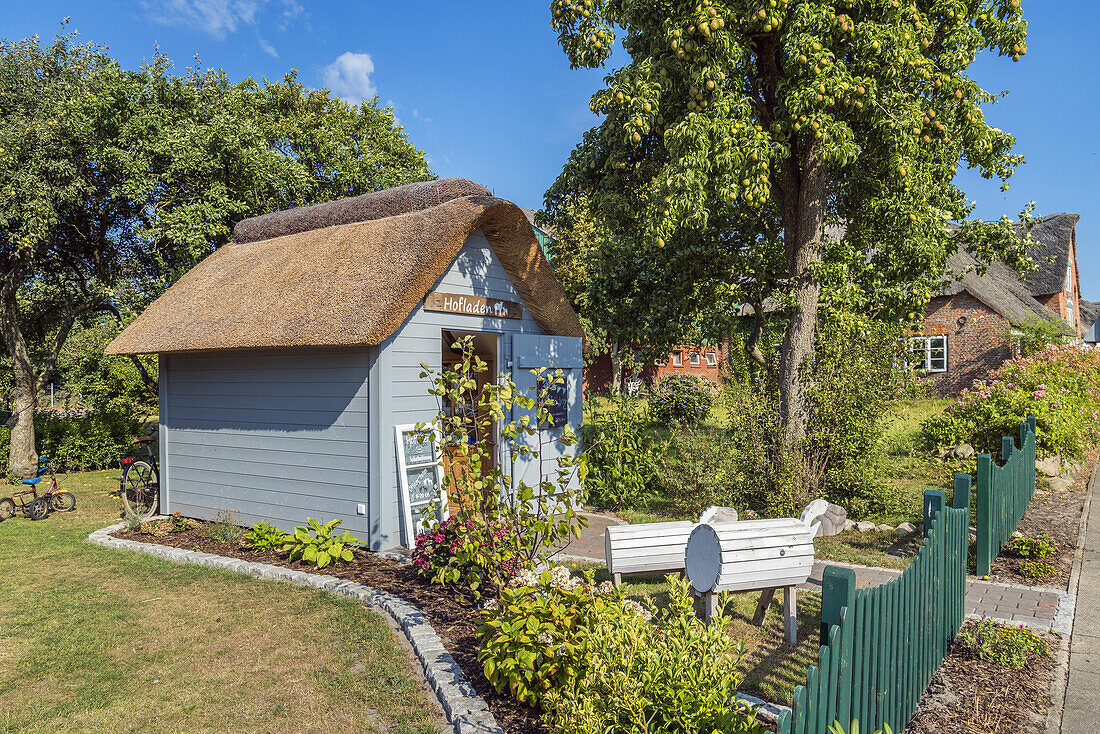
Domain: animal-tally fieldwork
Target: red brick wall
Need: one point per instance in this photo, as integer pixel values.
(974, 348)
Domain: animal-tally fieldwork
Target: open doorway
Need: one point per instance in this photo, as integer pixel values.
(486, 347)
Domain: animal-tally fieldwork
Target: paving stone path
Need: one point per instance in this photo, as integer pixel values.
(1035, 608)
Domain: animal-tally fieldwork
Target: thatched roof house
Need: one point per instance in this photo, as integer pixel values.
(290, 359)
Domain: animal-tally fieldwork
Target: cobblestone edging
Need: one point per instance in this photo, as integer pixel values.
(466, 710)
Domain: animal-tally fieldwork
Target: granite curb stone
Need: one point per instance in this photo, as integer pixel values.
(467, 712)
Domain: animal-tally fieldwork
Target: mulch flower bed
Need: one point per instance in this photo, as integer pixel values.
(1056, 515)
(456, 623)
(979, 697)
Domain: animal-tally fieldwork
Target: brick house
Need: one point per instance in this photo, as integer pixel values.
(699, 360)
(968, 328)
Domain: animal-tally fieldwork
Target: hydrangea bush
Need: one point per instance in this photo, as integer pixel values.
(683, 399)
(456, 551)
(1059, 385)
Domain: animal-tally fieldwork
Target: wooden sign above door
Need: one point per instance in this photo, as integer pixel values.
(472, 305)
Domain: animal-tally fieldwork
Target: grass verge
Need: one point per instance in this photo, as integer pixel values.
(97, 638)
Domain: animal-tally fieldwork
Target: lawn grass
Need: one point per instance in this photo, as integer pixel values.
(771, 667)
(118, 641)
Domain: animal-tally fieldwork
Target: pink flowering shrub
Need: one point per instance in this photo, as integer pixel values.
(1059, 385)
(455, 552)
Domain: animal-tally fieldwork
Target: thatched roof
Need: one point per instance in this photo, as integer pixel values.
(1000, 288)
(332, 279)
(1090, 313)
(1055, 234)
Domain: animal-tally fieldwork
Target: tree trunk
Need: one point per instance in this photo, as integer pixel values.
(616, 370)
(22, 456)
(803, 228)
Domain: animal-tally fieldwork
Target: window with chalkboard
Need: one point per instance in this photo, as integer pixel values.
(419, 477)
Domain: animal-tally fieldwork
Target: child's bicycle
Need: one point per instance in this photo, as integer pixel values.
(34, 505)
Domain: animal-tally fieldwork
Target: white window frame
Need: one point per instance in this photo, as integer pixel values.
(694, 359)
(678, 359)
(712, 359)
(926, 364)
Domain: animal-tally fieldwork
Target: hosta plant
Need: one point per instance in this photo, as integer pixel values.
(264, 537)
(320, 547)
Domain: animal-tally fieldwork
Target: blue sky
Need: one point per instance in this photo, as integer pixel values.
(484, 90)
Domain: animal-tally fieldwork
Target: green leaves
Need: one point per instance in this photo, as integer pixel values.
(265, 537)
(319, 548)
(695, 169)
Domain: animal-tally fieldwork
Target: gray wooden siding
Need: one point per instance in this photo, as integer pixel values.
(402, 394)
(276, 435)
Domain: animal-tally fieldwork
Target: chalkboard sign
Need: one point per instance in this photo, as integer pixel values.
(559, 410)
(419, 476)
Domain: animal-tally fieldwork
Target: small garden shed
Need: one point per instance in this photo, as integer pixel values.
(290, 359)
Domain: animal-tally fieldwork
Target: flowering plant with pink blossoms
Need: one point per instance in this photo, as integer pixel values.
(1059, 385)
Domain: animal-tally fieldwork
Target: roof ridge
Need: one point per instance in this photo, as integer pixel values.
(394, 201)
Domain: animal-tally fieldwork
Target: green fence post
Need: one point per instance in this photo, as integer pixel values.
(1009, 499)
(838, 590)
(961, 495)
(984, 520)
(1031, 451)
(934, 501)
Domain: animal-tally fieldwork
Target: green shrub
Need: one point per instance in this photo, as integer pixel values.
(673, 675)
(849, 385)
(1040, 547)
(1037, 570)
(683, 399)
(97, 441)
(320, 548)
(1060, 386)
(621, 457)
(534, 637)
(264, 537)
(1008, 646)
(700, 468)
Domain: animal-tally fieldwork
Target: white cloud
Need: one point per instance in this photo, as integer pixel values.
(268, 48)
(349, 77)
(218, 18)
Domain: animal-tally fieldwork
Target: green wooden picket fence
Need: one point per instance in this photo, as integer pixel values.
(881, 646)
(1003, 493)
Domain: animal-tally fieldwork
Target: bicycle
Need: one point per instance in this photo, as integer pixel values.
(31, 503)
(139, 485)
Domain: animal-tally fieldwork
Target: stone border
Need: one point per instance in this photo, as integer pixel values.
(466, 710)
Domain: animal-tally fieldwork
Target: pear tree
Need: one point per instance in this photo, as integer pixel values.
(739, 134)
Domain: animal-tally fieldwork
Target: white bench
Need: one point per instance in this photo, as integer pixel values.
(654, 547)
(751, 555)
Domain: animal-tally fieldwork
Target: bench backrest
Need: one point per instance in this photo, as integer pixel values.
(749, 554)
(654, 547)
